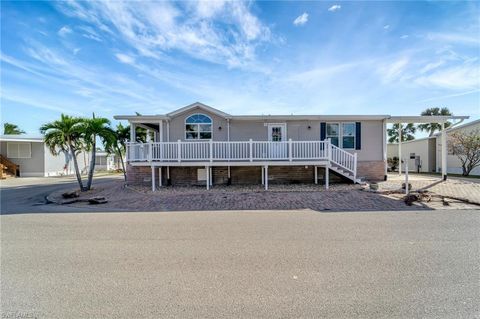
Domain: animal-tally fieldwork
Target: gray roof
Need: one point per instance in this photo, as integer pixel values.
(21, 138)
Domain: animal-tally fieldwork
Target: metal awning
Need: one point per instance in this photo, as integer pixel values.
(425, 119)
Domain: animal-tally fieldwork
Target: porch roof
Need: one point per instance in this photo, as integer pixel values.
(157, 118)
(425, 118)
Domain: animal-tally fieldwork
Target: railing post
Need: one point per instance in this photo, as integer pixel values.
(290, 151)
(211, 151)
(355, 166)
(251, 149)
(150, 149)
(179, 150)
(329, 149)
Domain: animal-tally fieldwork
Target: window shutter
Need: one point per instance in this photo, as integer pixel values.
(358, 135)
(323, 131)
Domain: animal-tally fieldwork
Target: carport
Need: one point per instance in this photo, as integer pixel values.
(440, 119)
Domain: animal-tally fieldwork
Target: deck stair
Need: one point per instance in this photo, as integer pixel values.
(343, 163)
(8, 168)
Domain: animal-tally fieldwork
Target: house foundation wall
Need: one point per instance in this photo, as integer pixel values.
(239, 175)
(371, 170)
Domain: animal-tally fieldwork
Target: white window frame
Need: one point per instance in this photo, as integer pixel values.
(340, 134)
(354, 135)
(11, 145)
(198, 128)
(269, 130)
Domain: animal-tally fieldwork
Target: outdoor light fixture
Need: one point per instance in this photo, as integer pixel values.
(219, 128)
(309, 127)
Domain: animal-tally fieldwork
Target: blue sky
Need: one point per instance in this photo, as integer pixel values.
(111, 58)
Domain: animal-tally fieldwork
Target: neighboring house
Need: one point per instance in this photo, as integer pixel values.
(106, 162)
(426, 152)
(420, 153)
(198, 144)
(33, 157)
(454, 165)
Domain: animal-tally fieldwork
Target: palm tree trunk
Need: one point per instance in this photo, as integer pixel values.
(123, 164)
(77, 171)
(92, 165)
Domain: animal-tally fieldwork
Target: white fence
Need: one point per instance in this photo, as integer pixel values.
(247, 151)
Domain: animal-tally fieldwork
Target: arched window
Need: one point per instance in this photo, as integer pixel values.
(198, 127)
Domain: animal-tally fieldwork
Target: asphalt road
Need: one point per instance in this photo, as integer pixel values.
(28, 195)
(241, 264)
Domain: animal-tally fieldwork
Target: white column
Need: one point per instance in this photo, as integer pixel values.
(210, 176)
(263, 175)
(384, 140)
(160, 176)
(133, 136)
(207, 173)
(327, 170)
(153, 179)
(290, 151)
(168, 173)
(399, 148)
(444, 152)
(160, 131)
(168, 131)
(266, 177)
(315, 168)
(149, 139)
(228, 130)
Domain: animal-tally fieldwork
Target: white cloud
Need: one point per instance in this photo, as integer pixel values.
(224, 32)
(431, 66)
(64, 31)
(443, 97)
(460, 38)
(404, 36)
(322, 73)
(386, 27)
(76, 50)
(301, 19)
(90, 33)
(334, 8)
(394, 70)
(461, 77)
(127, 59)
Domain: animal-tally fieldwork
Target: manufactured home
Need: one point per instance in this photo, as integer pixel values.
(201, 145)
(28, 156)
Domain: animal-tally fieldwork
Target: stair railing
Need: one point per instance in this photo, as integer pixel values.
(10, 166)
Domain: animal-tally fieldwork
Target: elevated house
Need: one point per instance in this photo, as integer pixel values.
(198, 144)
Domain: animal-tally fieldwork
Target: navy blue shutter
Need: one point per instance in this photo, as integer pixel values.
(358, 136)
(323, 131)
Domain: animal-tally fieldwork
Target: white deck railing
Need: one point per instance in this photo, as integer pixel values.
(241, 151)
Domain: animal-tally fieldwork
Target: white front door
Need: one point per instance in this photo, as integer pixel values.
(277, 136)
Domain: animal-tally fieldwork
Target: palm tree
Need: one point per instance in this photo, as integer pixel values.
(93, 128)
(433, 127)
(65, 135)
(12, 129)
(118, 145)
(408, 132)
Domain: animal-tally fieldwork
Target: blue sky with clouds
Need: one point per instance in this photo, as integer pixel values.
(110, 58)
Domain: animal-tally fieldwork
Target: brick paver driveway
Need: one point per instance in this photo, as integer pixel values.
(452, 187)
(278, 197)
